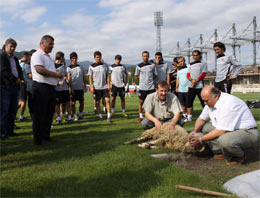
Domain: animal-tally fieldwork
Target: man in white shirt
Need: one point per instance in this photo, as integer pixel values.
(45, 79)
(232, 129)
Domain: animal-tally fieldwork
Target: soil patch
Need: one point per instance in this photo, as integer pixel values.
(206, 166)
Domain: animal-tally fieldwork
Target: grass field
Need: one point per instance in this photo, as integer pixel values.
(88, 159)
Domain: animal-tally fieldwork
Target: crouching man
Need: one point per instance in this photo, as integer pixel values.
(161, 107)
(232, 128)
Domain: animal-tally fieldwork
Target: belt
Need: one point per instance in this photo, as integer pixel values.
(252, 128)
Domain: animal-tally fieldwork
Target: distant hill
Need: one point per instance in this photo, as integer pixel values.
(86, 64)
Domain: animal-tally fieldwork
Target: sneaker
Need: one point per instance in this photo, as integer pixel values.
(109, 120)
(124, 114)
(63, 119)
(70, 121)
(95, 111)
(76, 118)
(100, 119)
(23, 119)
(140, 120)
(185, 120)
(59, 122)
(17, 127)
(80, 117)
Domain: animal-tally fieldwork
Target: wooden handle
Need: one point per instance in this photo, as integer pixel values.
(208, 192)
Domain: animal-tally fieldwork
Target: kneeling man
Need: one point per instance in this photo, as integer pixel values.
(160, 107)
(232, 128)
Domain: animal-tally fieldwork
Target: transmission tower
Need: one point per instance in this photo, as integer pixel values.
(158, 22)
(237, 40)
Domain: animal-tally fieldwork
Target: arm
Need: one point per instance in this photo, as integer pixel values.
(188, 76)
(156, 122)
(210, 136)
(177, 85)
(41, 70)
(237, 67)
(91, 83)
(85, 82)
(126, 80)
(174, 121)
(168, 80)
(108, 82)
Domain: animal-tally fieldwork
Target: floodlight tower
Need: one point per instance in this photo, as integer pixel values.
(158, 22)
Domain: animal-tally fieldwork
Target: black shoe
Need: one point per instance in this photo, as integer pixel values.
(13, 134)
(16, 127)
(95, 111)
(23, 119)
(4, 137)
(181, 122)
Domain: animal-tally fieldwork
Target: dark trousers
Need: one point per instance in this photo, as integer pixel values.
(9, 105)
(43, 110)
(224, 86)
(192, 93)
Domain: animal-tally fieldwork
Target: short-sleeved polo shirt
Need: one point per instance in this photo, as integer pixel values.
(118, 74)
(195, 69)
(146, 72)
(162, 110)
(99, 72)
(44, 60)
(163, 70)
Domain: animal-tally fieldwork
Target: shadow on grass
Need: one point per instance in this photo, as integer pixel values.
(120, 183)
(88, 143)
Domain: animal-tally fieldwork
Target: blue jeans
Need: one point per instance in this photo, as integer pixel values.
(9, 105)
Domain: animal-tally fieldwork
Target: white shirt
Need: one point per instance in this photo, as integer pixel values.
(43, 59)
(229, 114)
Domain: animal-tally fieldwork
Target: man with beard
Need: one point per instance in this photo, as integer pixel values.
(45, 79)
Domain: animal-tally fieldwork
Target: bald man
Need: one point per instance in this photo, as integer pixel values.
(232, 128)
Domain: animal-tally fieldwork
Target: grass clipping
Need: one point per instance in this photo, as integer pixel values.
(176, 139)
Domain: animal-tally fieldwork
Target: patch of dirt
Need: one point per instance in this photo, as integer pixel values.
(206, 166)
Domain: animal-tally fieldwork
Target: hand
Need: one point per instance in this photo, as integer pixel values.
(177, 90)
(229, 77)
(60, 83)
(191, 135)
(59, 75)
(193, 83)
(195, 142)
(18, 81)
(91, 88)
(72, 92)
(158, 125)
(171, 127)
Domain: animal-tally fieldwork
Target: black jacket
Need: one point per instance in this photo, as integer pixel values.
(7, 78)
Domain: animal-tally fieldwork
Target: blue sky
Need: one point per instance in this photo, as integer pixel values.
(122, 26)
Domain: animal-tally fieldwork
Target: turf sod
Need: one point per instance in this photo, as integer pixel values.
(88, 159)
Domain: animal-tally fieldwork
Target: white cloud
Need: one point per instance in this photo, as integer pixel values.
(22, 9)
(128, 28)
(32, 14)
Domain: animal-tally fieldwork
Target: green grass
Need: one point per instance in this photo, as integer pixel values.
(89, 159)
